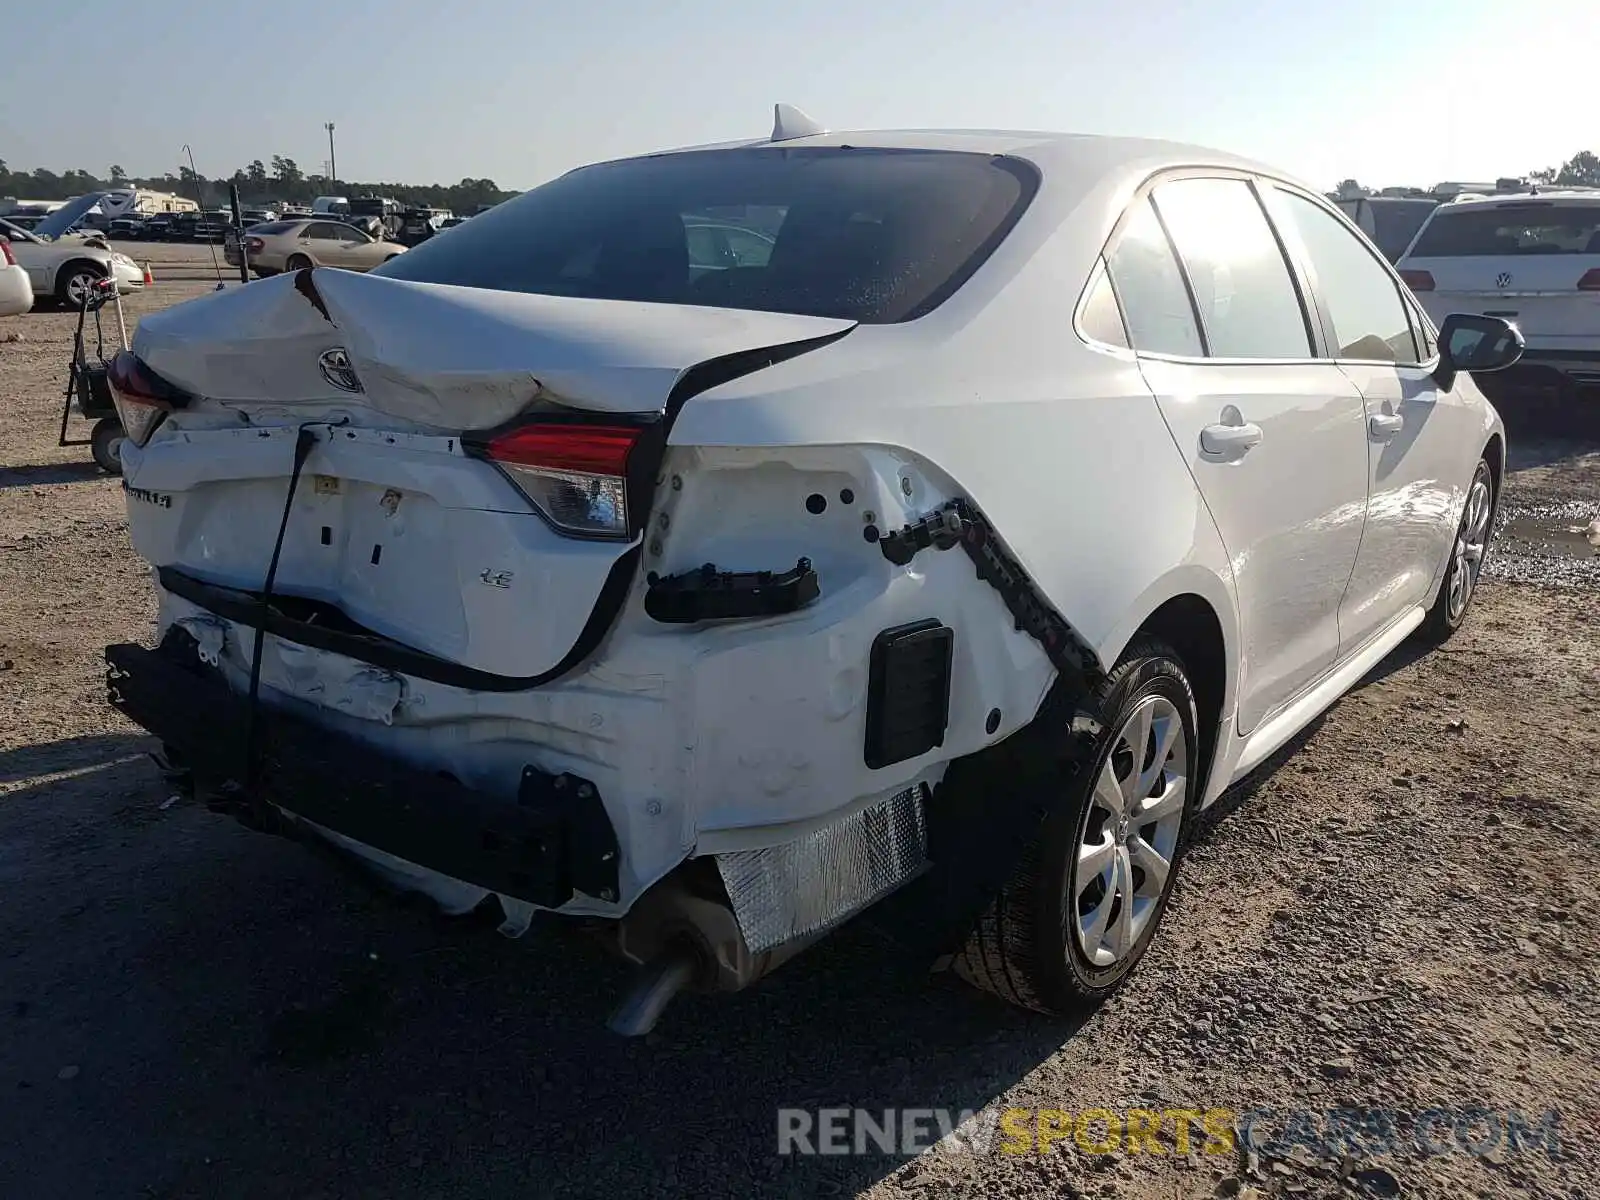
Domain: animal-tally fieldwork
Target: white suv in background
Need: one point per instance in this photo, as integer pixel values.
(1532, 258)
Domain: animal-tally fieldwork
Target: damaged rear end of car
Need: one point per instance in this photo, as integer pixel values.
(445, 583)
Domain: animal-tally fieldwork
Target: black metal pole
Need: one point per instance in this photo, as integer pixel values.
(333, 163)
(238, 225)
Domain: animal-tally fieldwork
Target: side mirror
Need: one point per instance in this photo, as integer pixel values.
(1470, 342)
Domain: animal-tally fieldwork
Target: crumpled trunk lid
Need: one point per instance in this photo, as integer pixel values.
(397, 532)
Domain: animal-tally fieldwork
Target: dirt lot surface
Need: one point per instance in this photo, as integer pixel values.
(1400, 916)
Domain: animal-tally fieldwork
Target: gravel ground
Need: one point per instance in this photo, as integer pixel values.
(1398, 915)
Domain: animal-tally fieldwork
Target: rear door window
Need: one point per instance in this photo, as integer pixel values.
(870, 235)
(1155, 303)
(1248, 302)
(1537, 227)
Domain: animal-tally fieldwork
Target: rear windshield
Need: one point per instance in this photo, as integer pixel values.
(875, 236)
(1538, 227)
(274, 227)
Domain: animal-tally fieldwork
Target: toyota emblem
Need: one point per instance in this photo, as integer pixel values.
(1503, 280)
(336, 369)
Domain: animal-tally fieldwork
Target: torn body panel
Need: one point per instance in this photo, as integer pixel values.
(708, 737)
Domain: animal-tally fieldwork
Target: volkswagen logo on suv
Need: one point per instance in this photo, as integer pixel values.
(1503, 280)
(336, 369)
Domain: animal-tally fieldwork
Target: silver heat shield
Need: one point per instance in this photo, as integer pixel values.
(803, 887)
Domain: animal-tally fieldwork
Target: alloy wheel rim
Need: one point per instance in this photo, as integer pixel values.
(1472, 540)
(78, 287)
(1129, 834)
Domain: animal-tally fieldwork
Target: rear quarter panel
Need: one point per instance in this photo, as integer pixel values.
(1061, 445)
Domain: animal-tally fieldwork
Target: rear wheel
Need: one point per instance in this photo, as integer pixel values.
(1467, 553)
(297, 262)
(105, 444)
(1089, 895)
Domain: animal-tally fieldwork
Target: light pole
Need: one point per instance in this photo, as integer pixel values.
(333, 163)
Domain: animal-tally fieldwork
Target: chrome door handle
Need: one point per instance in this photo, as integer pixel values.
(1384, 426)
(1229, 441)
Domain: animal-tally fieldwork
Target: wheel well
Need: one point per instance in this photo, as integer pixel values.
(1495, 454)
(72, 263)
(1189, 625)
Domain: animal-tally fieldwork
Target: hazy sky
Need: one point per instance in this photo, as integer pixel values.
(1389, 91)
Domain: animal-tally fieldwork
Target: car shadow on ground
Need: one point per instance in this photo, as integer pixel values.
(196, 1008)
(45, 473)
(199, 1009)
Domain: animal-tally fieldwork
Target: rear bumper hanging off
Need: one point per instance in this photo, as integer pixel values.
(552, 842)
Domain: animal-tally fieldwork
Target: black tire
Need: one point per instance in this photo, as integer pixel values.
(72, 276)
(1022, 950)
(1444, 618)
(105, 444)
(297, 262)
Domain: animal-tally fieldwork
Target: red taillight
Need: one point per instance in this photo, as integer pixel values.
(1418, 281)
(6, 256)
(1590, 282)
(142, 397)
(576, 475)
(254, 245)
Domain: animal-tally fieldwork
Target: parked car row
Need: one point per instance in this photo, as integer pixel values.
(206, 226)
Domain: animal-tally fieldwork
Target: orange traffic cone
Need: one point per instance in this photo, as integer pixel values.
(148, 277)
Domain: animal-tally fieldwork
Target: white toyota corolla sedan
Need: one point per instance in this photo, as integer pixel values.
(1003, 500)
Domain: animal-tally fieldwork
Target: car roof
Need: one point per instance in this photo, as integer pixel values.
(1049, 150)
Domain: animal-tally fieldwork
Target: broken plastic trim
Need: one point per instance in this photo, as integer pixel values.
(708, 594)
(555, 841)
(958, 522)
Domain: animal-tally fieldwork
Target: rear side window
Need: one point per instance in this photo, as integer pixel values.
(1249, 306)
(1155, 303)
(1537, 227)
(868, 235)
(1100, 319)
(1361, 298)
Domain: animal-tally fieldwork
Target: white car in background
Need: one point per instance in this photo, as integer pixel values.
(67, 268)
(965, 539)
(1532, 259)
(16, 289)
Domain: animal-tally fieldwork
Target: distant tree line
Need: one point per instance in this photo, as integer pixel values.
(1582, 170)
(280, 181)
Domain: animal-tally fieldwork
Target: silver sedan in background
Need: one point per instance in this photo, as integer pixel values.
(292, 245)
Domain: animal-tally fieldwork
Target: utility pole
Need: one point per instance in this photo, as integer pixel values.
(333, 163)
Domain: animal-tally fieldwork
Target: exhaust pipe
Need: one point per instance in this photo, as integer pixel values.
(656, 987)
(685, 939)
